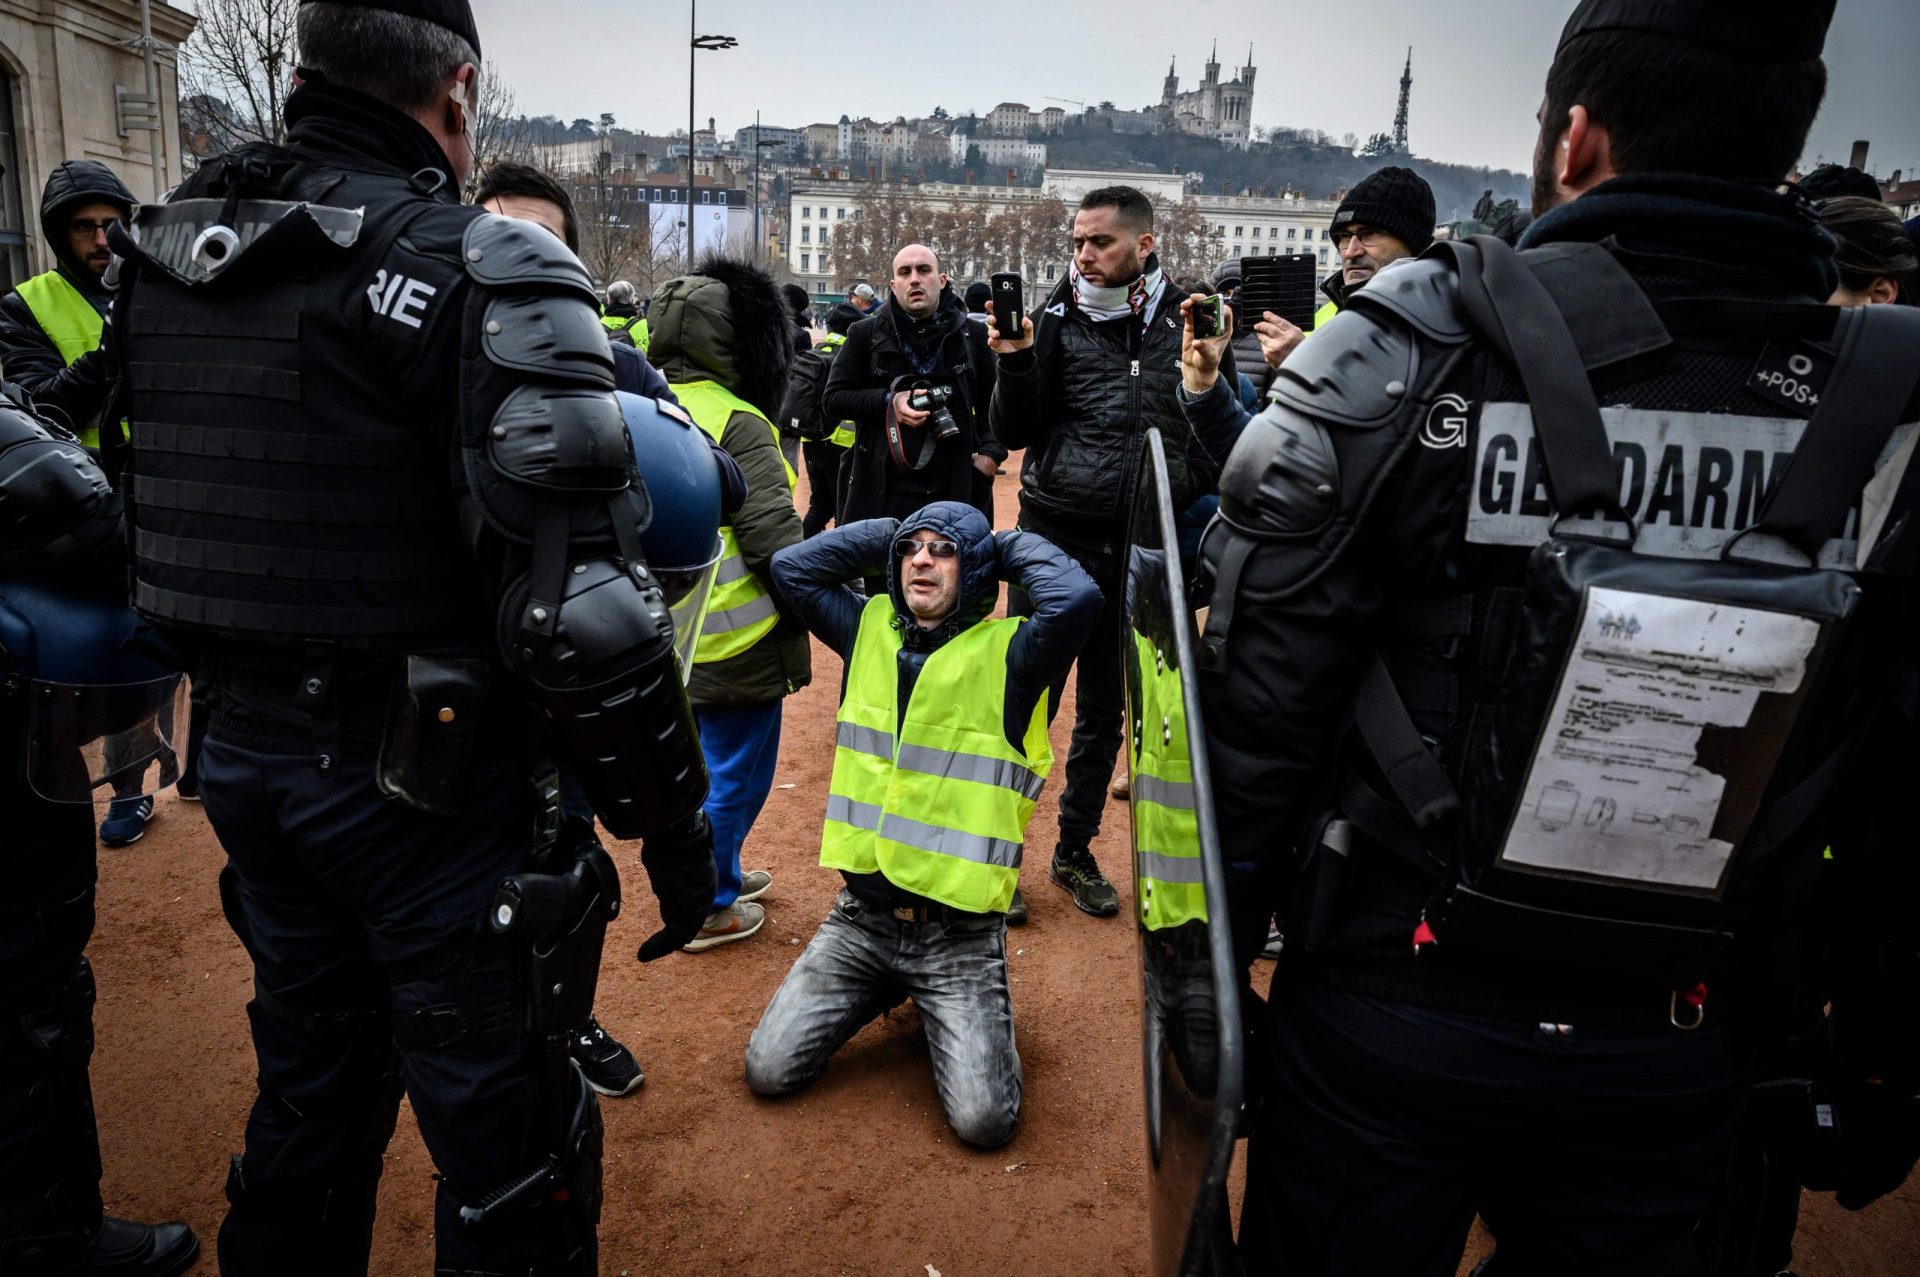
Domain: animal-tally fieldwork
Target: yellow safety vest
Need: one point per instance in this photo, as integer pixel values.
(740, 611)
(1326, 312)
(842, 436)
(69, 318)
(941, 805)
(1166, 830)
(632, 325)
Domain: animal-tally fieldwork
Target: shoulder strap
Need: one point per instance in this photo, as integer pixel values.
(1875, 373)
(1516, 313)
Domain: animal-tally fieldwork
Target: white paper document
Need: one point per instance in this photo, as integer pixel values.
(1616, 788)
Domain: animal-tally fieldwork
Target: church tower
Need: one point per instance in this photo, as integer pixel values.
(1213, 65)
(1170, 87)
(1246, 72)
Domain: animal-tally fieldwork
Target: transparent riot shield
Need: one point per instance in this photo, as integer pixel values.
(1191, 1011)
(93, 744)
(688, 590)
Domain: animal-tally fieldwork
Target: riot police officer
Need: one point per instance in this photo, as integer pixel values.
(1571, 694)
(381, 488)
(66, 679)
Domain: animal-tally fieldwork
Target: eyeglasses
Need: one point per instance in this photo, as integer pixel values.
(1368, 236)
(88, 227)
(907, 547)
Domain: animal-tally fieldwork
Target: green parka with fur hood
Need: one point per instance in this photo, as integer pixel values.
(726, 324)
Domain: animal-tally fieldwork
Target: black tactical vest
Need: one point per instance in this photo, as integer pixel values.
(281, 487)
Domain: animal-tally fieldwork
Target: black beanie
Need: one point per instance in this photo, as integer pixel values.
(843, 317)
(1393, 199)
(1832, 180)
(1226, 275)
(455, 15)
(798, 303)
(979, 293)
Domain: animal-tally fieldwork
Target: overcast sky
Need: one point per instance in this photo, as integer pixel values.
(1478, 65)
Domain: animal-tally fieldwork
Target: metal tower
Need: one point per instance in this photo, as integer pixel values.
(1400, 116)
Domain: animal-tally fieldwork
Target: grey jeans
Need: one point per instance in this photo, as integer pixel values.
(863, 961)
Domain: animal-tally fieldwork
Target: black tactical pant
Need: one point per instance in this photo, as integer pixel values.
(823, 484)
(1387, 1126)
(1099, 701)
(375, 974)
(49, 1155)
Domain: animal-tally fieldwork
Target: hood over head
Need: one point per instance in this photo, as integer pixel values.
(72, 184)
(725, 323)
(979, 565)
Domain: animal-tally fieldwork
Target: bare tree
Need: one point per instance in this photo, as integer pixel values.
(621, 238)
(888, 215)
(500, 132)
(240, 57)
(1186, 243)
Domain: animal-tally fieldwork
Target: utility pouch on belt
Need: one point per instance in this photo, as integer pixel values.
(432, 723)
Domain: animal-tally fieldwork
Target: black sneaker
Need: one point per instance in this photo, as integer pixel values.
(608, 1067)
(126, 1249)
(1017, 911)
(1073, 869)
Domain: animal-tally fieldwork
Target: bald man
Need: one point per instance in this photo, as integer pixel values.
(918, 339)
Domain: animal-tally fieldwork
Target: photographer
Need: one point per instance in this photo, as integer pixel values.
(908, 449)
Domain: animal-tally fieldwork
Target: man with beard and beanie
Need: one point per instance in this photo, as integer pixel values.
(940, 754)
(1094, 367)
(381, 489)
(722, 338)
(1587, 791)
(918, 338)
(51, 331)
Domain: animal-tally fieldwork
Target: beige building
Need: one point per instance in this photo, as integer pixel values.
(60, 62)
(1011, 119)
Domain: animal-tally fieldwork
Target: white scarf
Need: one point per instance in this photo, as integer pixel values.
(1139, 297)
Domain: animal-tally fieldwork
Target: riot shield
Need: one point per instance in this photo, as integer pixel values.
(1191, 1011)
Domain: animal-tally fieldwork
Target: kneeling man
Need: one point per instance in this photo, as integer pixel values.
(939, 758)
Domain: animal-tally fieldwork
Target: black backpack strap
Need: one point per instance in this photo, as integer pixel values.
(1875, 373)
(1515, 313)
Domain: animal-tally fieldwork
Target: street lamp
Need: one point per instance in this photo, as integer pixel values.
(695, 43)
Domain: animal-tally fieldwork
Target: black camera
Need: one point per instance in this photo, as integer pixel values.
(932, 400)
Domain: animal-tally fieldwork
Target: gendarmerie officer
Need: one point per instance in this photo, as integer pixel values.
(63, 626)
(1572, 579)
(379, 483)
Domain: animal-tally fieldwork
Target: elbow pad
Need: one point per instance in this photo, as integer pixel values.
(56, 504)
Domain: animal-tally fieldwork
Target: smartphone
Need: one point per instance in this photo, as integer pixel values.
(1209, 313)
(1284, 285)
(1009, 306)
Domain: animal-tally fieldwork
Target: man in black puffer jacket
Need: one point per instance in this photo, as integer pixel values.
(1094, 369)
(920, 332)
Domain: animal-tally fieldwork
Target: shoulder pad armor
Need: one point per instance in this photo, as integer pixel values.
(545, 335)
(565, 438)
(1357, 371)
(1282, 478)
(505, 252)
(1425, 294)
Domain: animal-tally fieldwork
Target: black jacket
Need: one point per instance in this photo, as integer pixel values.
(815, 576)
(1081, 401)
(862, 380)
(78, 391)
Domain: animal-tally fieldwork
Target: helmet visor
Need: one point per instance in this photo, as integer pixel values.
(689, 589)
(91, 744)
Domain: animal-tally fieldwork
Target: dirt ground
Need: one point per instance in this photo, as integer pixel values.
(857, 1175)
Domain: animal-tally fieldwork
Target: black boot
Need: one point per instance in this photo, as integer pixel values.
(127, 1249)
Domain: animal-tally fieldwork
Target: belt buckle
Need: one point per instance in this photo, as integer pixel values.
(905, 913)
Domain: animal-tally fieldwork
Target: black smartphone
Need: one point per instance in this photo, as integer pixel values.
(1283, 285)
(1209, 313)
(1009, 306)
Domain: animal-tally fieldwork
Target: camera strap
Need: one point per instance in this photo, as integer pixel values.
(907, 454)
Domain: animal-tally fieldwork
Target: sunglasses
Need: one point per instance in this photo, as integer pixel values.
(907, 547)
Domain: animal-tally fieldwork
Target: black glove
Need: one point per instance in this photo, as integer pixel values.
(1879, 1142)
(679, 864)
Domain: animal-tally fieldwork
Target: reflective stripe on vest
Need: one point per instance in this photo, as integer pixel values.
(941, 809)
(1166, 828)
(740, 611)
(842, 436)
(67, 317)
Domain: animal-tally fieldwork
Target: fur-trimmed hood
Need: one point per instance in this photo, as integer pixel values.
(724, 323)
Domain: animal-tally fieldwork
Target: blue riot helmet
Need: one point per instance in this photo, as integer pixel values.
(682, 541)
(100, 709)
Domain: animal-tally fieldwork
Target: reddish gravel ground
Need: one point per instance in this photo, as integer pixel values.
(858, 1175)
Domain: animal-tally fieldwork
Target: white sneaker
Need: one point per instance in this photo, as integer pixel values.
(736, 922)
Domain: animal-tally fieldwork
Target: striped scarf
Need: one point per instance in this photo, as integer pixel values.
(1139, 297)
